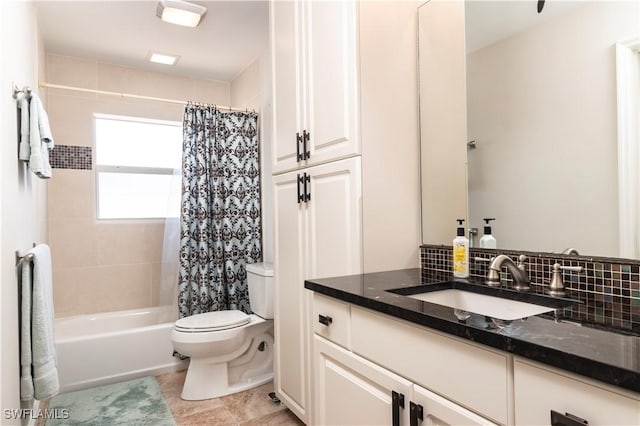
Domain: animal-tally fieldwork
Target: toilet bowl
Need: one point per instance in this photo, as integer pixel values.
(230, 351)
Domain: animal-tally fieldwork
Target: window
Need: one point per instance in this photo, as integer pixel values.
(137, 167)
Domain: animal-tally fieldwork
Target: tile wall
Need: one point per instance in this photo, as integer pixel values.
(608, 288)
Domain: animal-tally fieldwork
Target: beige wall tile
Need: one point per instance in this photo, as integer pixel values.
(73, 242)
(140, 108)
(72, 195)
(129, 80)
(71, 118)
(125, 243)
(212, 92)
(245, 88)
(164, 283)
(101, 289)
(71, 71)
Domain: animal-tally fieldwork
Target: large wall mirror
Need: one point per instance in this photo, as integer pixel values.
(537, 95)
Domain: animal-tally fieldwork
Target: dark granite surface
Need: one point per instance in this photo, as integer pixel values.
(604, 355)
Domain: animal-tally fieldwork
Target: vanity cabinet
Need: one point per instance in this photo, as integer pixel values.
(351, 389)
(317, 227)
(539, 389)
(315, 82)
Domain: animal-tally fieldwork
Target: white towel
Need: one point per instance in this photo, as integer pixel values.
(40, 139)
(39, 371)
(23, 104)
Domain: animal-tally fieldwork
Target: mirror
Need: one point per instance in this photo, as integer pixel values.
(541, 109)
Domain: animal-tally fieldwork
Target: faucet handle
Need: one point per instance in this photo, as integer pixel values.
(556, 286)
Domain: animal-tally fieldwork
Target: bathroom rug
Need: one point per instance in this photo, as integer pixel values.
(138, 402)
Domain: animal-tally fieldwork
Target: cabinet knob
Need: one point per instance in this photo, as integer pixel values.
(325, 320)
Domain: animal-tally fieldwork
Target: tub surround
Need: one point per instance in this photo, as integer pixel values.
(599, 354)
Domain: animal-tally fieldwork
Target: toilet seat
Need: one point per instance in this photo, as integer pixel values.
(212, 321)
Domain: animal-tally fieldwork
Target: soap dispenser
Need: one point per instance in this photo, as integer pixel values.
(488, 240)
(460, 253)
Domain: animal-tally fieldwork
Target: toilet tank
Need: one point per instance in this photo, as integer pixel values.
(260, 283)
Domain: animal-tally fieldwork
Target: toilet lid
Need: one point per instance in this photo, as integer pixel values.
(212, 321)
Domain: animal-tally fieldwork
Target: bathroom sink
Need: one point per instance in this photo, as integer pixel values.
(497, 303)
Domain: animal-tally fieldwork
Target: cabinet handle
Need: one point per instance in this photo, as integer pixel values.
(566, 419)
(416, 413)
(307, 193)
(397, 402)
(305, 138)
(300, 180)
(325, 320)
(299, 139)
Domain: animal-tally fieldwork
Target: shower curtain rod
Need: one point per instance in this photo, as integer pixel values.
(132, 96)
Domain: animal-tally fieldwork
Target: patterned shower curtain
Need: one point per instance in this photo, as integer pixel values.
(220, 220)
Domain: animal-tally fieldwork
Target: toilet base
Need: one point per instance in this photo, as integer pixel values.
(210, 378)
(199, 385)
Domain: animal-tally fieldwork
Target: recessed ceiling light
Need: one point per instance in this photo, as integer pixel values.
(161, 58)
(180, 12)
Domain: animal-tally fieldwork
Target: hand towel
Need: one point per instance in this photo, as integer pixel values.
(39, 371)
(23, 104)
(40, 138)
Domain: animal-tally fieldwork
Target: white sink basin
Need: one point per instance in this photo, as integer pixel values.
(495, 307)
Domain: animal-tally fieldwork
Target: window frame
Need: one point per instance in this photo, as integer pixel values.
(127, 169)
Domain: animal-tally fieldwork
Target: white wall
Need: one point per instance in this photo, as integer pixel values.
(23, 206)
(542, 108)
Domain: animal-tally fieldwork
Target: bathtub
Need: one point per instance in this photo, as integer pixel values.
(110, 347)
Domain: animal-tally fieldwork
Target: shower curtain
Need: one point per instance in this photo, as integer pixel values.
(220, 218)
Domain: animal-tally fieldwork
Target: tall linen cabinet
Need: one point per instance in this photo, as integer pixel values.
(342, 179)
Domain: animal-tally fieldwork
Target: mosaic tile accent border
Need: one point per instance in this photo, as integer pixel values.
(71, 157)
(609, 289)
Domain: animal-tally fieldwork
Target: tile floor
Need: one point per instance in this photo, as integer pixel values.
(249, 408)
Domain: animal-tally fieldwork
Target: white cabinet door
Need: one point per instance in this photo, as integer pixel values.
(332, 83)
(427, 408)
(287, 78)
(334, 215)
(350, 390)
(290, 301)
(315, 82)
(314, 236)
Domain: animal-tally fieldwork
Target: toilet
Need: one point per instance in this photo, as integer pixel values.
(230, 351)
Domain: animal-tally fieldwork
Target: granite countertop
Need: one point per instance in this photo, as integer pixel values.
(604, 355)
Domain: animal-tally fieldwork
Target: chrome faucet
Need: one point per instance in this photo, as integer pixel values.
(518, 272)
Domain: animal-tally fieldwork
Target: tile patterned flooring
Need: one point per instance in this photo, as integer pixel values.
(249, 408)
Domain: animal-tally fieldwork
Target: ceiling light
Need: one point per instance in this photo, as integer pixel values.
(180, 12)
(161, 58)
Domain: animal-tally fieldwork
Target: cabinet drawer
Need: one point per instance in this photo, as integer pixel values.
(539, 389)
(331, 320)
(472, 376)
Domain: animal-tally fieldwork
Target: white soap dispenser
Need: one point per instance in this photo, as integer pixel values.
(488, 240)
(460, 253)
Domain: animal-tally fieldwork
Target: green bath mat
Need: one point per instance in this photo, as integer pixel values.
(134, 403)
